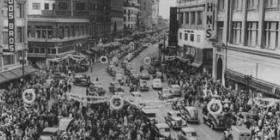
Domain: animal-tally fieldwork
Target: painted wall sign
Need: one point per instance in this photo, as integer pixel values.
(11, 27)
(210, 19)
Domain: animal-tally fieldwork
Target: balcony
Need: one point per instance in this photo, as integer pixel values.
(190, 3)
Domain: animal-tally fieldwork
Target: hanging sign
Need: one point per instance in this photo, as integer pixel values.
(11, 27)
(210, 19)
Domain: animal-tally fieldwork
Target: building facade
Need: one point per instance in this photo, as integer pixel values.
(131, 14)
(194, 34)
(56, 28)
(13, 41)
(149, 12)
(117, 17)
(247, 48)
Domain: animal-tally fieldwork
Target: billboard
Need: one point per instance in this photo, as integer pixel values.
(11, 27)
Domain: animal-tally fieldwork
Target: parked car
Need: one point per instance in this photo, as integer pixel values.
(144, 85)
(165, 93)
(96, 89)
(187, 133)
(150, 114)
(136, 94)
(174, 119)
(238, 133)
(190, 114)
(175, 90)
(115, 87)
(157, 84)
(145, 75)
(81, 80)
(163, 130)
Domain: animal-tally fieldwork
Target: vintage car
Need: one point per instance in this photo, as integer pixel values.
(120, 78)
(216, 122)
(175, 90)
(111, 69)
(81, 80)
(190, 114)
(174, 120)
(115, 87)
(163, 130)
(177, 104)
(237, 133)
(96, 88)
(150, 114)
(48, 133)
(157, 84)
(145, 75)
(58, 76)
(135, 94)
(144, 85)
(187, 133)
(165, 93)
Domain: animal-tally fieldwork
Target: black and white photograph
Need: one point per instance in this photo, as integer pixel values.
(139, 69)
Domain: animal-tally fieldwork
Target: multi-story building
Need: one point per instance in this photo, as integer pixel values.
(149, 10)
(131, 14)
(13, 41)
(247, 50)
(116, 16)
(100, 21)
(56, 28)
(194, 33)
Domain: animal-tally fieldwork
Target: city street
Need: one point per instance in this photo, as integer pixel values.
(99, 70)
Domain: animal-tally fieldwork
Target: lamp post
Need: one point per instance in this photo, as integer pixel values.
(248, 79)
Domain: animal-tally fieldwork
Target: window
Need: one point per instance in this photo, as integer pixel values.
(80, 6)
(20, 35)
(192, 37)
(5, 37)
(187, 18)
(237, 5)
(53, 6)
(221, 4)
(186, 37)
(36, 6)
(198, 38)
(220, 30)
(236, 32)
(62, 5)
(47, 6)
(252, 33)
(9, 59)
(180, 35)
(199, 18)
(271, 3)
(252, 4)
(271, 35)
(181, 18)
(192, 18)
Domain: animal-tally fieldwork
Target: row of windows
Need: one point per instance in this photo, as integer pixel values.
(48, 31)
(63, 6)
(19, 10)
(189, 37)
(41, 50)
(19, 35)
(271, 33)
(129, 11)
(252, 4)
(128, 19)
(10, 59)
(191, 18)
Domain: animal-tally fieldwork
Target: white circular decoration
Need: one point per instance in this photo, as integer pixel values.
(147, 60)
(116, 102)
(29, 96)
(215, 107)
(103, 59)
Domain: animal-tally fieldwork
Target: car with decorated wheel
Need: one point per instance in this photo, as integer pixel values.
(163, 130)
(81, 80)
(187, 133)
(215, 121)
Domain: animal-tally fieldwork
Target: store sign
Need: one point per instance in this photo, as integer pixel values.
(210, 19)
(11, 27)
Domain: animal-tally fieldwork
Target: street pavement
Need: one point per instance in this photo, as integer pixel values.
(99, 71)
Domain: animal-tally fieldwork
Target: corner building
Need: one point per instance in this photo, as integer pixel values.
(193, 43)
(247, 50)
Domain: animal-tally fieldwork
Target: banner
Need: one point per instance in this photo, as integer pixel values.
(11, 27)
(88, 99)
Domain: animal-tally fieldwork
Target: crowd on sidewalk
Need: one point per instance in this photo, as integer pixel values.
(197, 89)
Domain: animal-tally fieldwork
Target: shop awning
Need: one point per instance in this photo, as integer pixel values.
(16, 73)
(196, 64)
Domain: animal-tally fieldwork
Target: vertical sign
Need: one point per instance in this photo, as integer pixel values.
(11, 27)
(210, 19)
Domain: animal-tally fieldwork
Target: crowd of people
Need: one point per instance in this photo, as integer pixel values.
(198, 88)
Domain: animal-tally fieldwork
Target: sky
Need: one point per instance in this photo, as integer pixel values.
(164, 6)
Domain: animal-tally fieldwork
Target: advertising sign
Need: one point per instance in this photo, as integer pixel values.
(11, 27)
(210, 19)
